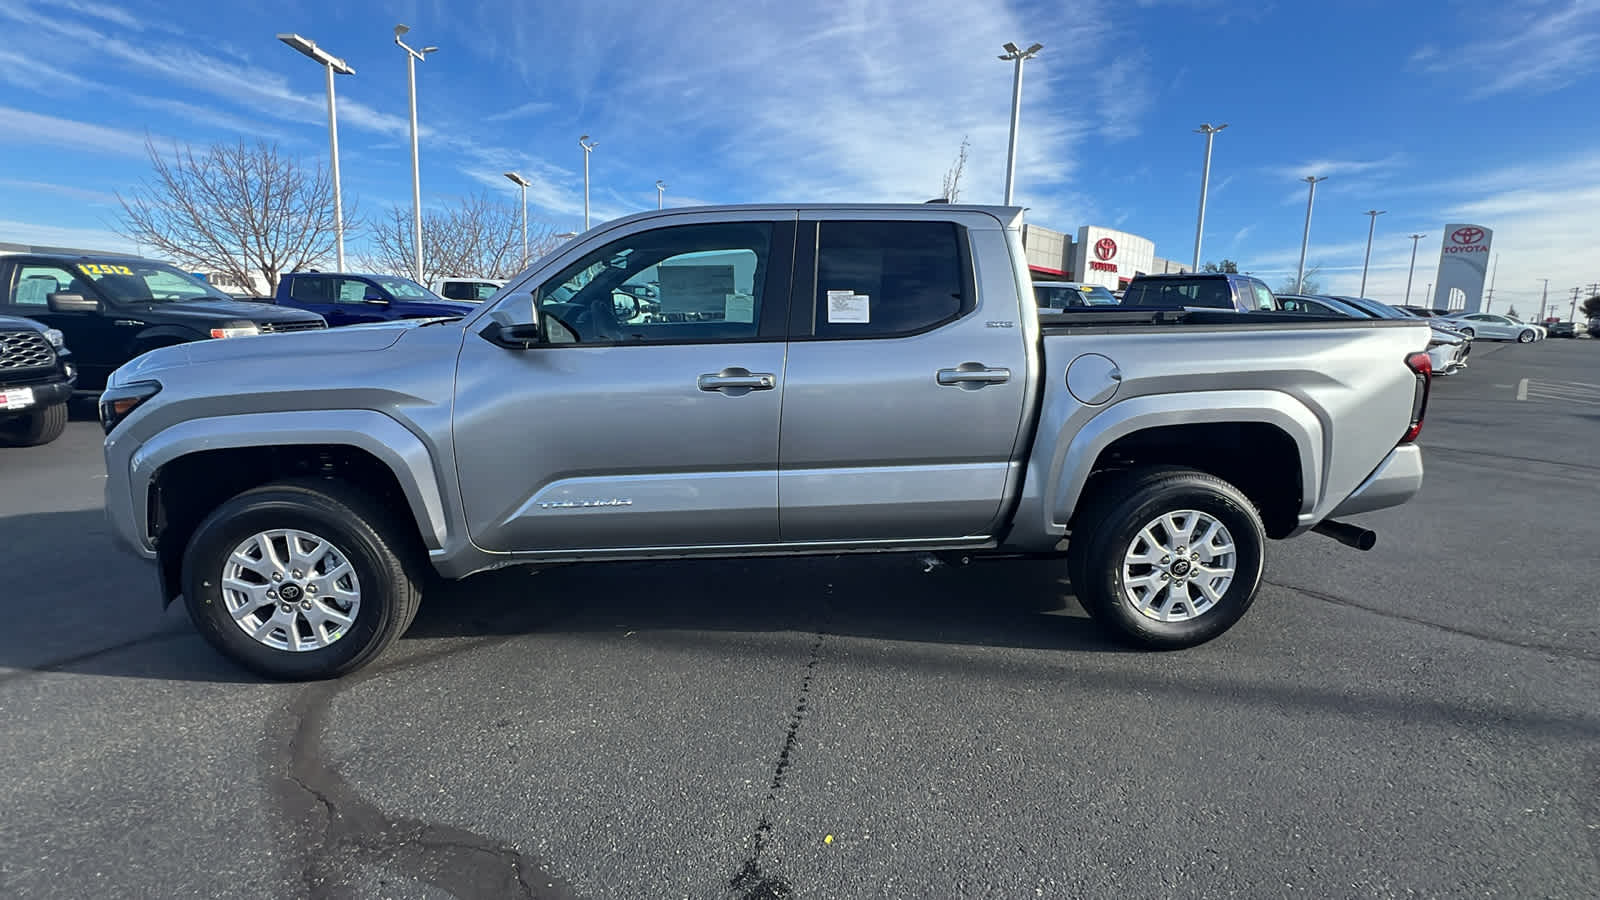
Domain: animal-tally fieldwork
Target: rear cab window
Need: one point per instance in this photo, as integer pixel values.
(1211, 293)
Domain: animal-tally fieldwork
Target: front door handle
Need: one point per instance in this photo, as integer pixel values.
(736, 381)
(973, 375)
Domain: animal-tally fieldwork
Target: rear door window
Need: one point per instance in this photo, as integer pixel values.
(1263, 295)
(886, 279)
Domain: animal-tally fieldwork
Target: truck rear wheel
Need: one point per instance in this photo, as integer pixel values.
(37, 428)
(1167, 558)
(299, 580)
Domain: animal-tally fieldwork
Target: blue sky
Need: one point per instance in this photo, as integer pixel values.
(1465, 111)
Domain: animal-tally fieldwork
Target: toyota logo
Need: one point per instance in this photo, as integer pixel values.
(1469, 235)
(1105, 248)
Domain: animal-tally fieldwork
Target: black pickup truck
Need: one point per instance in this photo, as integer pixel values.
(37, 375)
(112, 308)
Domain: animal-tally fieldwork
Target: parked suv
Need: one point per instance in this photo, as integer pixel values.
(350, 299)
(36, 379)
(112, 308)
(1191, 290)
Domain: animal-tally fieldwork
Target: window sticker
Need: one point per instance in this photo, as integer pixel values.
(849, 306)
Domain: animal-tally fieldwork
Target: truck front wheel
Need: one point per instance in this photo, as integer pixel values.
(299, 580)
(1167, 558)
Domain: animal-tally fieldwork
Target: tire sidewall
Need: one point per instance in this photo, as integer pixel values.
(1526, 337)
(237, 520)
(1469, 332)
(1112, 544)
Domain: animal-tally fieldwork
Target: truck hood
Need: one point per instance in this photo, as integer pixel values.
(441, 307)
(211, 312)
(302, 346)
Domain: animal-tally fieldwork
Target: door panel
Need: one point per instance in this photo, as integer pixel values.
(566, 448)
(901, 436)
(98, 343)
(655, 422)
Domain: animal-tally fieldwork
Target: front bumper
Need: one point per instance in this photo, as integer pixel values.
(57, 389)
(1397, 479)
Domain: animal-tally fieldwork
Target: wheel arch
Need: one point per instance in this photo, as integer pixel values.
(1268, 443)
(185, 471)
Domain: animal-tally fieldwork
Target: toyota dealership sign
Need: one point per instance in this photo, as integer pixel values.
(1107, 257)
(1463, 266)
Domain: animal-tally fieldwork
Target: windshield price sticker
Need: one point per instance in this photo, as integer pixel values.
(103, 269)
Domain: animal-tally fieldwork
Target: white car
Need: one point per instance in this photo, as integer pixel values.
(1496, 328)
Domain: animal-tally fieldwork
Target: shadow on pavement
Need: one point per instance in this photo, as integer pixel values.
(90, 606)
(998, 603)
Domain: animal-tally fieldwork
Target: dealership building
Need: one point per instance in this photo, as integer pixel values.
(1097, 255)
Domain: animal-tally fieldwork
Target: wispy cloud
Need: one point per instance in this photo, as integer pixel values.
(1336, 167)
(99, 198)
(1534, 48)
(70, 133)
(63, 236)
(531, 108)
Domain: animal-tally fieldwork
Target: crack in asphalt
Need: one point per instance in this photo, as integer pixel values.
(1586, 467)
(1567, 652)
(313, 797)
(91, 655)
(749, 881)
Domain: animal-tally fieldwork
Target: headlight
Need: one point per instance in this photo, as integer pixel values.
(236, 329)
(116, 403)
(55, 337)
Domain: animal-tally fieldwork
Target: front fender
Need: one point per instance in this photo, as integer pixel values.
(1073, 461)
(128, 474)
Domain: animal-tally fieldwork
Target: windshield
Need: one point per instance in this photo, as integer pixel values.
(1381, 310)
(137, 281)
(404, 288)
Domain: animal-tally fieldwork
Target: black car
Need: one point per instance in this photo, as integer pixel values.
(112, 308)
(37, 375)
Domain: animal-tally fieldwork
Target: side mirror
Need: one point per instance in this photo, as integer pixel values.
(63, 302)
(516, 325)
(375, 298)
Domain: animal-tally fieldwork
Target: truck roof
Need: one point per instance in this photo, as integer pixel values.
(7, 247)
(1010, 216)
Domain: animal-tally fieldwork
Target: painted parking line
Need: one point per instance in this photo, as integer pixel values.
(1561, 391)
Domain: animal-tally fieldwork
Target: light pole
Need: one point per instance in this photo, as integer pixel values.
(1493, 270)
(1543, 299)
(523, 183)
(1374, 213)
(588, 148)
(1300, 280)
(661, 192)
(334, 65)
(416, 170)
(1205, 181)
(1018, 56)
(1413, 269)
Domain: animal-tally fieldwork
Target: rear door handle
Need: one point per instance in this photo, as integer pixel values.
(736, 381)
(973, 374)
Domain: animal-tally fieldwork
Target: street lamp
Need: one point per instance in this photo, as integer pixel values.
(1543, 299)
(1413, 269)
(416, 171)
(523, 183)
(1300, 280)
(334, 65)
(588, 148)
(661, 192)
(1017, 56)
(1374, 213)
(1205, 180)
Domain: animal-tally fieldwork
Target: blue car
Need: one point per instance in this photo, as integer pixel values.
(345, 298)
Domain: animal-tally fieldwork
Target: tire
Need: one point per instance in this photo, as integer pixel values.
(385, 573)
(1468, 332)
(1526, 337)
(1105, 535)
(37, 428)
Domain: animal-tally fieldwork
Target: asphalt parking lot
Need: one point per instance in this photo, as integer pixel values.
(1420, 719)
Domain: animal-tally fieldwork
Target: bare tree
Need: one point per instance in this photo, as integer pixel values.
(952, 176)
(236, 209)
(1310, 284)
(477, 236)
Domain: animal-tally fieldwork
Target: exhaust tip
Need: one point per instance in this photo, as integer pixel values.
(1347, 534)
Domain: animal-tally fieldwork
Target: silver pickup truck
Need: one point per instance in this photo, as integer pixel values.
(754, 380)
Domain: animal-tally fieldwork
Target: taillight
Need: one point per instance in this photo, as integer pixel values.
(1422, 365)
